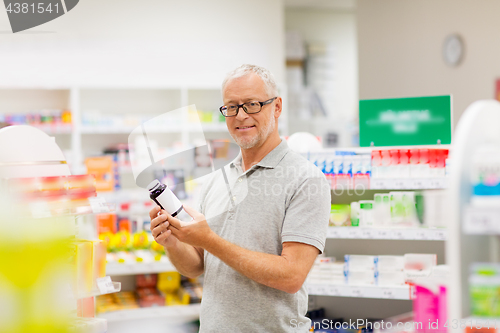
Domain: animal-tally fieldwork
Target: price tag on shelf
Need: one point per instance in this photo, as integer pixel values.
(416, 184)
(367, 233)
(440, 235)
(105, 285)
(387, 293)
(399, 184)
(321, 290)
(333, 232)
(333, 291)
(397, 234)
(378, 184)
(98, 205)
(357, 292)
(421, 234)
(436, 183)
(354, 233)
(382, 234)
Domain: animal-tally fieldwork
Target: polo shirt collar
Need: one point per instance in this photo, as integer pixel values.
(271, 160)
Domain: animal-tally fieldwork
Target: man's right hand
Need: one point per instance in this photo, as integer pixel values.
(159, 225)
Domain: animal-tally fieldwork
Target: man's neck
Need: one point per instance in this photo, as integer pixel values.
(254, 155)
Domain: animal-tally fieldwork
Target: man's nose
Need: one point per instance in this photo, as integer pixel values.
(242, 115)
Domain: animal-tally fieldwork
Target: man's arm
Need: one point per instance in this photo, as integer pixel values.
(187, 259)
(286, 272)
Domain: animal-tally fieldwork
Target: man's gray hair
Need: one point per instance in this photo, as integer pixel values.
(264, 74)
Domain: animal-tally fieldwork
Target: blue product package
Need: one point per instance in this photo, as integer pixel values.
(329, 168)
(348, 165)
(338, 165)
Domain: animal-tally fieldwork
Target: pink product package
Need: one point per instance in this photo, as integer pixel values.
(429, 309)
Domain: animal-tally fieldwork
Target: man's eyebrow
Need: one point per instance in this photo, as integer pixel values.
(251, 99)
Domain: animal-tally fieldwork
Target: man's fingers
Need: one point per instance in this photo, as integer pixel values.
(157, 220)
(174, 222)
(159, 229)
(163, 236)
(154, 212)
(174, 231)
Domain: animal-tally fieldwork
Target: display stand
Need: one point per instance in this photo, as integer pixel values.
(479, 125)
(28, 155)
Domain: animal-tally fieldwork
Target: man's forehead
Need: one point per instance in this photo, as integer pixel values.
(250, 83)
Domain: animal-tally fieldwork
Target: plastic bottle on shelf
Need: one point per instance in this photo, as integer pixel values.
(376, 163)
(424, 167)
(382, 209)
(355, 214)
(366, 213)
(414, 163)
(394, 170)
(404, 163)
(385, 163)
(366, 165)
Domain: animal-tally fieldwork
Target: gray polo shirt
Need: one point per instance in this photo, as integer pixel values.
(283, 198)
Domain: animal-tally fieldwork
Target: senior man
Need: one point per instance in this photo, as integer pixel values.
(261, 223)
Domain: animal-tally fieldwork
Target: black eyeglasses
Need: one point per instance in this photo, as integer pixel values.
(248, 107)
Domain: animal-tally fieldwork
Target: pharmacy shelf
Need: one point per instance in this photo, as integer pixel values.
(383, 292)
(177, 313)
(115, 269)
(206, 127)
(481, 220)
(409, 183)
(54, 129)
(91, 205)
(116, 287)
(387, 233)
(88, 325)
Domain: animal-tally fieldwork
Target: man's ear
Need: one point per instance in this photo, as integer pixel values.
(278, 107)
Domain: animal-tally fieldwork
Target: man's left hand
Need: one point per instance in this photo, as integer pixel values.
(195, 233)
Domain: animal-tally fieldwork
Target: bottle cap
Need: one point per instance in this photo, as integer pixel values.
(151, 186)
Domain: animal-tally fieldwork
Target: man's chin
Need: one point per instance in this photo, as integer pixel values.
(246, 144)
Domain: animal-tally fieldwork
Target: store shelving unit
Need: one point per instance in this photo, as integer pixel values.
(342, 290)
(175, 314)
(116, 287)
(473, 232)
(409, 184)
(115, 269)
(376, 241)
(35, 155)
(433, 234)
(83, 138)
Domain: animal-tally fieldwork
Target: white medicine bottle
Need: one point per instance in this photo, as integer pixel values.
(166, 199)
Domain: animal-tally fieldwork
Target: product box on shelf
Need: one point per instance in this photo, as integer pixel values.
(418, 265)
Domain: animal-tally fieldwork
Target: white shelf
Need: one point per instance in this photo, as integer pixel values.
(178, 313)
(115, 269)
(408, 183)
(96, 292)
(387, 233)
(481, 220)
(208, 127)
(54, 129)
(383, 292)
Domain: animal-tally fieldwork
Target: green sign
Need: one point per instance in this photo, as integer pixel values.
(405, 121)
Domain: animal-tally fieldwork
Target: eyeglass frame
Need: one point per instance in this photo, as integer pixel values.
(269, 101)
